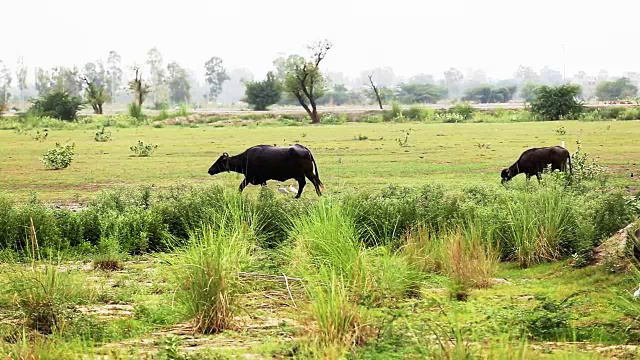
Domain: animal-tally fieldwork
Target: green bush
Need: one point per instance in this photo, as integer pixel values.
(556, 103)
(57, 104)
(334, 119)
(102, 135)
(59, 157)
(463, 109)
(135, 111)
(207, 271)
(141, 149)
(262, 94)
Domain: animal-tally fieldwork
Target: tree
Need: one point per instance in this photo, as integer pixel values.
(453, 78)
(114, 74)
(304, 81)
(58, 104)
(555, 103)
(525, 73)
(156, 68)
(375, 91)
(234, 89)
(615, 90)
(67, 80)
(43, 81)
(95, 94)
(422, 79)
(178, 82)
(280, 64)
(261, 94)
(339, 95)
(527, 91)
(487, 94)
(5, 86)
(215, 76)
(95, 73)
(21, 76)
(139, 89)
(420, 93)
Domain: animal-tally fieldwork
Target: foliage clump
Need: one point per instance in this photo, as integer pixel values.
(262, 94)
(142, 150)
(557, 103)
(57, 104)
(59, 157)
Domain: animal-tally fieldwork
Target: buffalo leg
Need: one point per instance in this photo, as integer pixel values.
(316, 182)
(539, 177)
(243, 184)
(301, 183)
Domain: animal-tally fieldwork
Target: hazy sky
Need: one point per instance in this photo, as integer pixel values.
(409, 36)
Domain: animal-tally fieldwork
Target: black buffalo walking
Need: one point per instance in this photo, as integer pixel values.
(265, 162)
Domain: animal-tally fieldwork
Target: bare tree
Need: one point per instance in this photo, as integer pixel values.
(304, 81)
(375, 90)
(140, 91)
(96, 95)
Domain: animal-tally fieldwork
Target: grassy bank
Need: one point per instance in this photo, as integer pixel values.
(364, 156)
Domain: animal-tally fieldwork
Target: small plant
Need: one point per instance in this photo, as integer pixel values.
(102, 135)
(586, 169)
(549, 320)
(59, 157)
(404, 141)
(561, 131)
(483, 146)
(361, 137)
(41, 136)
(141, 149)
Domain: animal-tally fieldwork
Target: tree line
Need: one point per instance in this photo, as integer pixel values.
(294, 80)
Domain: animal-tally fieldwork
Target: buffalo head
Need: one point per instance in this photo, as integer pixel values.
(222, 164)
(506, 175)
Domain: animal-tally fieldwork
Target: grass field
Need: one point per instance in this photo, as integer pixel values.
(473, 270)
(446, 153)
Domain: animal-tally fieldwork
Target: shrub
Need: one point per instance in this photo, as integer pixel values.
(339, 319)
(142, 149)
(465, 110)
(373, 119)
(550, 319)
(207, 272)
(57, 104)
(538, 226)
(41, 136)
(262, 94)
(418, 113)
(471, 259)
(59, 157)
(586, 169)
(102, 135)
(555, 103)
(135, 111)
(334, 119)
(396, 111)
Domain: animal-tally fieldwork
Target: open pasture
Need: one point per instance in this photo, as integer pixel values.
(349, 156)
(191, 269)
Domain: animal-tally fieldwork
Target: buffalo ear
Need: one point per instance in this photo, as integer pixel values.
(225, 155)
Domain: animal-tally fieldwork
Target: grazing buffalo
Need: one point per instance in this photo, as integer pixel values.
(534, 161)
(265, 162)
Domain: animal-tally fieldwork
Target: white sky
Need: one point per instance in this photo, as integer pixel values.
(409, 36)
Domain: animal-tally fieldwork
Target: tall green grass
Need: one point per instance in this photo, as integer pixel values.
(207, 270)
(536, 225)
